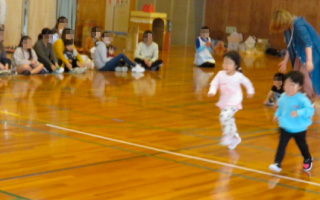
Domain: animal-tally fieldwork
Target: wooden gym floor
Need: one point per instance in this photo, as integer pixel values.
(101, 136)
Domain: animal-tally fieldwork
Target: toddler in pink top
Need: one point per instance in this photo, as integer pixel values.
(229, 82)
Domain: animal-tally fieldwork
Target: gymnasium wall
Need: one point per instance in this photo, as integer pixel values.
(187, 17)
(13, 27)
(89, 9)
(42, 13)
(252, 17)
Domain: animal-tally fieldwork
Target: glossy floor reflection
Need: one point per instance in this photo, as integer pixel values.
(58, 132)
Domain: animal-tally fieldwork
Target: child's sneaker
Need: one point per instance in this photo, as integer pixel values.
(73, 70)
(59, 70)
(124, 69)
(234, 143)
(118, 69)
(83, 70)
(307, 164)
(138, 68)
(226, 140)
(5, 72)
(275, 167)
(78, 70)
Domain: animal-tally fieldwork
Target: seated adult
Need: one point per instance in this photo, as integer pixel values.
(59, 48)
(104, 63)
(45, 51)
(147, 53)
(25, 58)
(91, 41)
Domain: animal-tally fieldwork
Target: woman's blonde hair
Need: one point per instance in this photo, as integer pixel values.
(280, 21)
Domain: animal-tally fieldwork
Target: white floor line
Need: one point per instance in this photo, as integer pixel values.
(188, 156)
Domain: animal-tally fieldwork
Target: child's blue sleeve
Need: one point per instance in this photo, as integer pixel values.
(197, 43)
(307, 109)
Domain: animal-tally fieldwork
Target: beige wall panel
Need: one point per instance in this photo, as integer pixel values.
(42, 14)
(13, 23)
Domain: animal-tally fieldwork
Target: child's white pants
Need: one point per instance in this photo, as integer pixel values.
(228, 121)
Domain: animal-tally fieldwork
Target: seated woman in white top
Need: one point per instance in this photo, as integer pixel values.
(25, 58)
(147, 53)
(203, 56)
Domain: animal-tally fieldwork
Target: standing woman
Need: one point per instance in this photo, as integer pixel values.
(303, 49)
(62, 23)
(45, 52)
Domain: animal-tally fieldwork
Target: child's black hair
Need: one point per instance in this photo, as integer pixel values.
(45, 31)
(105, 34)
(233, 55)
(68, 42)
(66, 32)
(279, 77)
(110, 47)
(296, 77)
(205, 27)
(145, 34)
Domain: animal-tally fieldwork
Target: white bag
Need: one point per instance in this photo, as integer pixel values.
(250, 43)
(234, 40)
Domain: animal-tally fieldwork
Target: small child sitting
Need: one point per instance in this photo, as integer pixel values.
(71, 54)
(111, 51)
(121, 66)
(203, 56)
(276, 90)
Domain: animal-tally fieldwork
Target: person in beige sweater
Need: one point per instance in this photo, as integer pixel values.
(147, 53)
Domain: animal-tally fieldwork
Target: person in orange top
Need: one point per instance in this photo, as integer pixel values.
(59, 47)
(90, 43)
